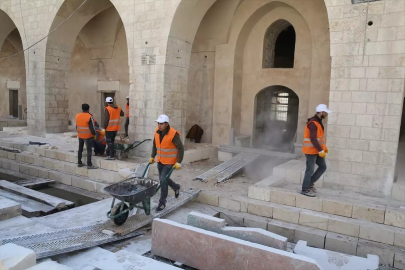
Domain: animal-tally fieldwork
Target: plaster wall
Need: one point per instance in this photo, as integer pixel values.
(85, 72)
(11, 69)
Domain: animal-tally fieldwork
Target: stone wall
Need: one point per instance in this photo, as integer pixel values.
(368, 46)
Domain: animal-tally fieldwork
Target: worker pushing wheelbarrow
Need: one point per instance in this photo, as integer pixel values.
(134, 192)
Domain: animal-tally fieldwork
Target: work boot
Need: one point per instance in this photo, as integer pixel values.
(160, 207)
(80, 165)
(92, 167)
(177, 192)
(308, 193)
(109, 158)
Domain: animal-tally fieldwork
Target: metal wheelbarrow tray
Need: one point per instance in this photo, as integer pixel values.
(134, 190)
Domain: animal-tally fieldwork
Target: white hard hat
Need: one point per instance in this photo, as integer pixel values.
(162, 119)
(322, 108)
(127, 97)
(109, 99)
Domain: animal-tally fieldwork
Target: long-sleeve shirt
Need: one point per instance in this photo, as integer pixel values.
(176, 141)
(107, 116)
(313, 130)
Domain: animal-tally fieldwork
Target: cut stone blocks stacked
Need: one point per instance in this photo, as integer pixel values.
(335, 221)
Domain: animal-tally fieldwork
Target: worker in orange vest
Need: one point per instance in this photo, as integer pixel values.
(112, 114)
(169, 150)
(99, 142)
(85, 132)
(315, 150)
(127, 119)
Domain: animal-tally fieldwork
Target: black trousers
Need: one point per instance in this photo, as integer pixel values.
(99, 148)
(126, 126)
(110, 137)
(89, 144)
(163, 171)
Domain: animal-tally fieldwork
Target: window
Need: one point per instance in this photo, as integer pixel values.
(279, 107)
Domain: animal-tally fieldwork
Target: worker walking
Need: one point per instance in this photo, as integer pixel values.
(85, 132)
(127, 119)
(99, 142)
(315, 150)
(112, 114)
(169, 150)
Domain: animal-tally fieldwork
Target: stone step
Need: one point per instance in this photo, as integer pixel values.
(356, 206)
(328, 222)
(58, 176)
(389, 255)
(9, 208)
(293, 172)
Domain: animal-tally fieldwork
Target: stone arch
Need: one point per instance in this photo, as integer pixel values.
(58, 58)
(275, 118)
(12, 69)
(272, 36)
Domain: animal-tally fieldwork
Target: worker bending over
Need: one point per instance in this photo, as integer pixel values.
(112, 114)
(99, 142)
(169, 150)
(315, 150)
(85, 132)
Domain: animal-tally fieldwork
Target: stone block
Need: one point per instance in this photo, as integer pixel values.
(309, 203)
(14, 257)
(260, 209)
(83, 184)
(43, 174)
(259, 193)
(229, 203)
(370, 213)
(224, 156)
(399, 260)
(254, 235)
(58, 165)
(51, 265)
(61, 178)
(50, 154)
(281, 197)
(70, 168)
(82, 171)
(232, 219)
(15, 167)
(377, 233)
(341, 243)
(337, 208)
(255, 222)
(61, 156)
(286, 213)
(314, 237)
(208, 198)
(9, 209)
(11, 156)
(385, 253)
(282, 228)
(343, 226)
(399, 240)
(395, 217)
(313, 219)
(167, 242)
(40, 151)
(337, 261)
(15, 85)
(38, 161)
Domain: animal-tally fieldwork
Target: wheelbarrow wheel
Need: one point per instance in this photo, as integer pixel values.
(116, 210)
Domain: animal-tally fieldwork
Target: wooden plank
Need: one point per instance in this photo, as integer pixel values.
(218, 169)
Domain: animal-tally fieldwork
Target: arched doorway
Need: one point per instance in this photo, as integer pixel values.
(276, 119)
(279, 45)
(86, 60)
(12, 70)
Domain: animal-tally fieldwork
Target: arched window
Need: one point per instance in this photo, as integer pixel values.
(279, 45)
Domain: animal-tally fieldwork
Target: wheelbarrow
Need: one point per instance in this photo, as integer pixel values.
(122, 150)
(134, 192)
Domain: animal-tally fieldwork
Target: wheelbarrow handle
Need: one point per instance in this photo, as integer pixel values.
(146, 169)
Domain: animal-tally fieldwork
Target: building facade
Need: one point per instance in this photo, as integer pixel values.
(238, 68)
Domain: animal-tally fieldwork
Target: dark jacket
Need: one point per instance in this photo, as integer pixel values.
(176, 141)
(313, 131)
(107, 116)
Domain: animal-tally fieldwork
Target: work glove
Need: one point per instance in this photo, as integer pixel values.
(322, 154)
(103, 132)
(177, 166)
(95, 137)
(326, 150)
(151, 160)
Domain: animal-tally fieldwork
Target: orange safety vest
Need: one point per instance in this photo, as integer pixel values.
(127, 110)
(308, 147)
(101, 137)
(166, 150)
(82, 123)
(114, 123)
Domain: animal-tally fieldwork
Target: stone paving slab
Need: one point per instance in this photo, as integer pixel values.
(9, 208)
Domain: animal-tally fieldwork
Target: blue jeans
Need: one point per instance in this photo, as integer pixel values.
(311, 177)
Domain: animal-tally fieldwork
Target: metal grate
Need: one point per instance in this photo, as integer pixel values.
(68, 240)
